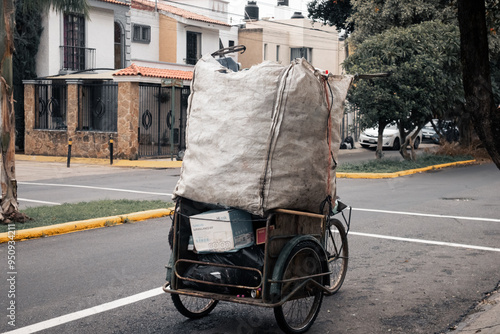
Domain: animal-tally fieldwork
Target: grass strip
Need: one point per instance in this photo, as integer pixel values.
(69, 212)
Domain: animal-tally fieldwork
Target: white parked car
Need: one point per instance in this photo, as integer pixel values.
(428, 131)
(390, 138)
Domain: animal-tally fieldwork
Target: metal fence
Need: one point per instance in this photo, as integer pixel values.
(77, 58)
(98, 107)
(50, 106)
(158, 124)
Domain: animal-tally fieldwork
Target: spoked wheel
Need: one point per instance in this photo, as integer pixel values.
(299, 312)
(337, 252)
(193, 307)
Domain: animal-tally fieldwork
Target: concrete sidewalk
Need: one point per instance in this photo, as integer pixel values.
(484, 318)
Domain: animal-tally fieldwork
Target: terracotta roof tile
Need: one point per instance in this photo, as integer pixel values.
(118, 2)
(155, 72)
(140, 4)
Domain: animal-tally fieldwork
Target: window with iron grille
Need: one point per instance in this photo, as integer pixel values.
(98, 107)
(74, 42)
(141, 33)
(50, 106)
(193, 47)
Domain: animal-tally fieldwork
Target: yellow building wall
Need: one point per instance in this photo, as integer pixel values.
(168, 39)
(252, 39)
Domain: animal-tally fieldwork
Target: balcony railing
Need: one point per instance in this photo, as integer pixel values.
(77, 58)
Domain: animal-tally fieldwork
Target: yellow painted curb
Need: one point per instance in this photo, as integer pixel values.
(43, 231)
(401, 173)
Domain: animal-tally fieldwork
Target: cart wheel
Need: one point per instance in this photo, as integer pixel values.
(193, 307)
(298, 313)
(337, 251)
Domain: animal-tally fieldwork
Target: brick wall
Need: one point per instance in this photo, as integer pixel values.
(88, 144)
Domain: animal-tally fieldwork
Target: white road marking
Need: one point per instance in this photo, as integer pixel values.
(87, 312)
(422, 241)
(35, 201)
(93, 187)
(428, 215)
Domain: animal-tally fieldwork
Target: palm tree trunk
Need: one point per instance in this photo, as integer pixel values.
(9, 203)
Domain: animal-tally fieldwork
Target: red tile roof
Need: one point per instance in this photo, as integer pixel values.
(155, 72)
(145, 5)
(118, 2)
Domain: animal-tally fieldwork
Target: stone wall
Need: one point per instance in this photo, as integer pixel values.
(88, 144)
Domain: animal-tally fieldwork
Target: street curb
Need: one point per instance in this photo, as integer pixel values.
(401, 173)
(178, 164)
(103, 162)
(44, 231)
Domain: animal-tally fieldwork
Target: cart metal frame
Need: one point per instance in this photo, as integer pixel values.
(285, 229)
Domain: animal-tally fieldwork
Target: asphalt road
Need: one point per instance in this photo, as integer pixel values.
(411, 270)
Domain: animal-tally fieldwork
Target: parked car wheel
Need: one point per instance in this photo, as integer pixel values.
(416, 143)
(396, 145)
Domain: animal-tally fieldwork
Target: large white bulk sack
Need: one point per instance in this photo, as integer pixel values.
(259, 139)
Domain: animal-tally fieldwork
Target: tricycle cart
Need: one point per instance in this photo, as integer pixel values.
(301, 257)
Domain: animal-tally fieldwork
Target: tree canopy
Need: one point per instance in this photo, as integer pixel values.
(332, 12)
(425, 81)
(372, 17)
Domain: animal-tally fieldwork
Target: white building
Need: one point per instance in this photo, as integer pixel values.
(71, 43)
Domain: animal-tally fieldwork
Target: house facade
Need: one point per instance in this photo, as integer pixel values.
(178, 36)
(124, 73)
(284, 40)
(71, 43)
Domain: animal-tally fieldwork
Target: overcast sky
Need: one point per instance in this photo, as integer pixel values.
(266, 7)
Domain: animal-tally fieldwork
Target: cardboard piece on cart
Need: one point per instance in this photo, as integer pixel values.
(222, 231)
(261, 139)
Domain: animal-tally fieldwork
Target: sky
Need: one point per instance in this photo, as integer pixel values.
(267, 7)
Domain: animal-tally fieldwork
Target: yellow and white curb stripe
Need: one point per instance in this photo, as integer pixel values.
(43, 231)
(401, 173)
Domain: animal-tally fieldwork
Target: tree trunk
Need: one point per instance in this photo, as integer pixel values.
(380, 138)
(476, 75)
(404, 143)
(9, 205)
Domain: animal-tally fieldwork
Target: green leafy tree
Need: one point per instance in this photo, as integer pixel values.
(332, 12)
(372, 17)
(424, 80)
(9, 206)
(26, 41)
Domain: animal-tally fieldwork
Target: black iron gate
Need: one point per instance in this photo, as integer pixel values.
(161, 120)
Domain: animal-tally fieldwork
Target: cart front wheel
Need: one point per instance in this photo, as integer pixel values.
(337, 251)
(298, 313)
(193, 307)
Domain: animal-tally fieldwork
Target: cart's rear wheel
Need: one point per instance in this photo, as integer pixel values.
(337, 251)
(298, 313)
(193, 307)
